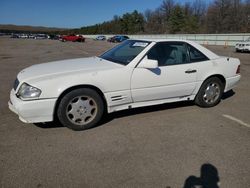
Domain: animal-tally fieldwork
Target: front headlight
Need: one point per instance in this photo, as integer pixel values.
(27, 91)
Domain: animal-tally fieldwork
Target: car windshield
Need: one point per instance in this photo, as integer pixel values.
(125, 52)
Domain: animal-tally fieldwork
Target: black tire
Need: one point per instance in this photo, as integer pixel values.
(210, 93)
(80, 109)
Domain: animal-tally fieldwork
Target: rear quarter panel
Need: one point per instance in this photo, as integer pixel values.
(223, 66)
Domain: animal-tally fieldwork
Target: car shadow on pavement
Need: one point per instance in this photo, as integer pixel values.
(129, 112)
(109, 117)
(49, 125)
(143, 110)
(209, 178)
(228, 94)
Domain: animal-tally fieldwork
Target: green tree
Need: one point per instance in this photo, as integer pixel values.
(155, 22)
(132, 23)
(191, 25)
(177, 20)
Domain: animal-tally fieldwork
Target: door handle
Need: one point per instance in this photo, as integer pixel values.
(189, 71)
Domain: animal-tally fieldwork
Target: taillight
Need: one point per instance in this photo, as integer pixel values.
(238, 70)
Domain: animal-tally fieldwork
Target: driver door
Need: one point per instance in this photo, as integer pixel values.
(174, 76)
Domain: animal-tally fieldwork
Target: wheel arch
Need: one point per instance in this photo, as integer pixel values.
(199, 100)
(78, 87)
(221, 77)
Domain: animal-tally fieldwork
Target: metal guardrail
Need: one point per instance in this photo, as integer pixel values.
(205, 39)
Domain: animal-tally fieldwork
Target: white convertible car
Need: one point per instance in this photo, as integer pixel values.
(133, 74)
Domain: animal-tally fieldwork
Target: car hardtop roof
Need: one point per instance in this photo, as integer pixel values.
(207, 52)
(163, 40)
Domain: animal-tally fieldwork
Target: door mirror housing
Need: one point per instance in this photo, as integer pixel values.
(148, 63)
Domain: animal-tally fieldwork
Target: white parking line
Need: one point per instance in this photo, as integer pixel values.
(236, 120)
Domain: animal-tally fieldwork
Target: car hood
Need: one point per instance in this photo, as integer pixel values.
(92, 64)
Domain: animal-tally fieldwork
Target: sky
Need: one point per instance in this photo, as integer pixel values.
(70, 13)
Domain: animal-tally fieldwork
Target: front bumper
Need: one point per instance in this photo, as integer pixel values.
(33, 111)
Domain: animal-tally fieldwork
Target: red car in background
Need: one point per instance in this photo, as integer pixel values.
(73, 38)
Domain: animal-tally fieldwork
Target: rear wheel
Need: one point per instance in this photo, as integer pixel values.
(80, 109)
(210, 93)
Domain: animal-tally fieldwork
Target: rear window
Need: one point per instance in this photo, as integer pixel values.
(195, 55)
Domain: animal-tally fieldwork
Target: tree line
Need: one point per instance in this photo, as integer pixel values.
(219, 16)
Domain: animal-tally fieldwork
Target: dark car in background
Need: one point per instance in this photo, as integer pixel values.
(54, 37)
(118, 38)
(111, 39)
(15, 36)
(73, 38)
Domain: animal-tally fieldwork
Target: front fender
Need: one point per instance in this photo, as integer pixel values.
(107, 81)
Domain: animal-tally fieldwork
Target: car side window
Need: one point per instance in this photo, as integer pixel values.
(169, 53)
(195, 55)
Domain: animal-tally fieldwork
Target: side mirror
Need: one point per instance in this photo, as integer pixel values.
(148, 63)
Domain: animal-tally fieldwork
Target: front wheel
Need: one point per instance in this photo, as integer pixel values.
(210, 93)
(80, 109)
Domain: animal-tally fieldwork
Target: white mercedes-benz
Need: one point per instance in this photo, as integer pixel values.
(133, 74)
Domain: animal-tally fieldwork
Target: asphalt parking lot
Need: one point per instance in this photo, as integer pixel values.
(159, 146)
